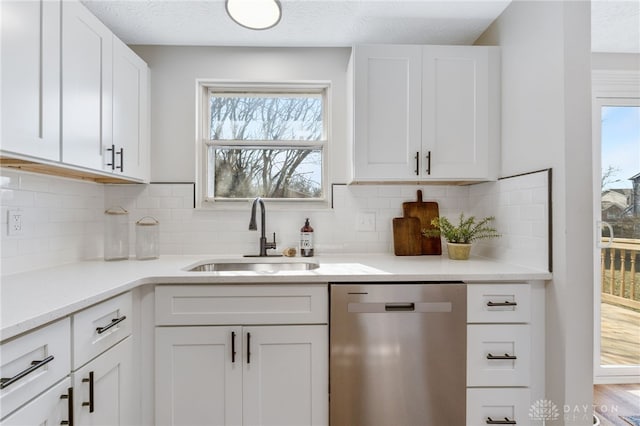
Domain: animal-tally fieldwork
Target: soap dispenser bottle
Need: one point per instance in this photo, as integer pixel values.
(306, 240)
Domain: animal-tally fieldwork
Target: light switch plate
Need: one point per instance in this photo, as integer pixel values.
(366, 222)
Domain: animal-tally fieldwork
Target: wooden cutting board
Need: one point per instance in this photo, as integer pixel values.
(406, 236)
(425, 211)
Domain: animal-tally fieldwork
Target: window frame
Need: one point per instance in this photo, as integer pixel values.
(204, 89)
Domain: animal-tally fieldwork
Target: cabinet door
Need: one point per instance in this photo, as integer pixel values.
(30, 34)
(285, 380)
(103, 389)
(50, 408)
(387, 121)
(198, 379)
(456, 112)
(130, 136)
(86, 87)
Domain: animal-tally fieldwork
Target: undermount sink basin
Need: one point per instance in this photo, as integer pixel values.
(218, 266)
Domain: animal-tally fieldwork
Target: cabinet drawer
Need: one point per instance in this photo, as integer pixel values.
(498, 303)
(498, 355)
(99, 327)
(487, 405)
(47, 409)
(49, 348)
(241, 304)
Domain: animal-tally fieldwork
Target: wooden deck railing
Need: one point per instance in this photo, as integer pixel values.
(620, 281)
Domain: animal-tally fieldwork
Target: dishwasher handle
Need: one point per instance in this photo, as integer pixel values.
(391, 307)
(399, 307)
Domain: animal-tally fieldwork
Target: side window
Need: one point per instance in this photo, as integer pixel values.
(264, 142)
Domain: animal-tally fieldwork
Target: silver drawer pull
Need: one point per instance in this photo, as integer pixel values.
(113, 323)
(5, 382)
(505, 303)
(506, 421)
(505, 356)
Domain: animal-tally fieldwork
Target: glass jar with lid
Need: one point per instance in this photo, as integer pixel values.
(116, 234)
(147, 238)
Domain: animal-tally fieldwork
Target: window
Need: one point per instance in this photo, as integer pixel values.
(268, 142)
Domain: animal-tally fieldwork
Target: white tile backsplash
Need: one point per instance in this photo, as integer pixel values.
(65, 219)
(521, 207)
(62, 220)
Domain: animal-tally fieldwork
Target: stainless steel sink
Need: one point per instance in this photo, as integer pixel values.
(213, 266)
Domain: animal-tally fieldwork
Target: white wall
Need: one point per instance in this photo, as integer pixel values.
(174, 71)
(546, 122)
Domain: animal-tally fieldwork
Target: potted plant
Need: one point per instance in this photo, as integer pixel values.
(459, 237)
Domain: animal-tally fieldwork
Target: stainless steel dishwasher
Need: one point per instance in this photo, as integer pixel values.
(398, 354)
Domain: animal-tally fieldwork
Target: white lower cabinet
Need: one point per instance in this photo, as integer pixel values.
(498, 406)
(51, 408)
(241, 355)
(505, 352)
(258, 375)
(103, 388)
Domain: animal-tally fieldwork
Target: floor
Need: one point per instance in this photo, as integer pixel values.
(613, 401)
(620, 343)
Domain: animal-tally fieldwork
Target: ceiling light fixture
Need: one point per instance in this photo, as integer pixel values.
(254, 14)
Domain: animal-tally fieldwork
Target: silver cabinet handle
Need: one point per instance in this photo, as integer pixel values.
(113, 323)
(6, 382)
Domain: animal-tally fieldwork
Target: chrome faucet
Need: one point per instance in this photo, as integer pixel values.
(264, 245)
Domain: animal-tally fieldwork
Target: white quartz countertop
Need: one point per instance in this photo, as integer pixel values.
(31, 299)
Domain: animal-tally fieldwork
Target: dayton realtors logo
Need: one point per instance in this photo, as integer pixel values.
(544, 409)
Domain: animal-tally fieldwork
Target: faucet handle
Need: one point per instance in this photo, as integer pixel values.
(271, 245)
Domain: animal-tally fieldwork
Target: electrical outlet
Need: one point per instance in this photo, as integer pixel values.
(14, 222)
(366, 222)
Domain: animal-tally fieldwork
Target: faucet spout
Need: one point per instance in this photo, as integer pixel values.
(264, 245)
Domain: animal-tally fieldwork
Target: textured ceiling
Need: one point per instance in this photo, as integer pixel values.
(615, 23)
(615, 26)
(304, 22)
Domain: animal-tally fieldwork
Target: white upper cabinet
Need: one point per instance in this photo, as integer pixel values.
(426, 113)
(73, 95)
(387, 111)
(86, 88)
(129, 153)
(30, 34)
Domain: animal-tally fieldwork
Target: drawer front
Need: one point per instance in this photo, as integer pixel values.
(490, 303)
(50, 408)
(498, 355)
(241, 304)
(489, 406)
(50, 348)
(99, 327)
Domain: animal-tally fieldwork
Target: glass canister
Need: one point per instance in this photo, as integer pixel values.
(147, 238)
(116, 234)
